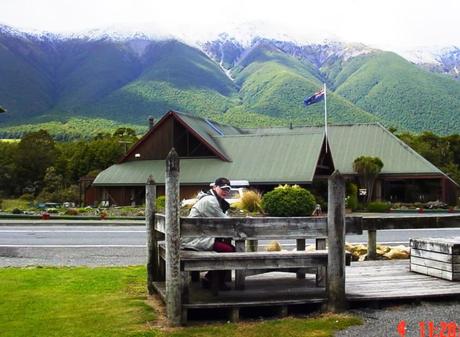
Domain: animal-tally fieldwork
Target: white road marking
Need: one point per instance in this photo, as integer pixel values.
(71, 246)
(65, 231)
(418, 229)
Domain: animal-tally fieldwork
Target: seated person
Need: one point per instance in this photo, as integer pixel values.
(211, 204)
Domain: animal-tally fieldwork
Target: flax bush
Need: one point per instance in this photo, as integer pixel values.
(160, 203)
(352, 195)
(251, 201)
(288, 201)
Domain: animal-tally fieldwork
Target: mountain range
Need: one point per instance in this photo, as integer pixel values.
(109, 80)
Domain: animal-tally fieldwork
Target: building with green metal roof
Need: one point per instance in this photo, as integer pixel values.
(267, 157)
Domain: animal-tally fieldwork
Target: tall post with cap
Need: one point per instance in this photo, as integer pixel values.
(336, 243)
(173, 275)
(152, 237)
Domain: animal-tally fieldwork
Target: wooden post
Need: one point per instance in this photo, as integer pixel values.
(371, 244)
(173, 274)
(152, 238)
(321, 272)
(300, 245)
(252, 245)
(240, 275)
(336, 243)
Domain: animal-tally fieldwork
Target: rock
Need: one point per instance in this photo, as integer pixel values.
(378, 257)
(399, 252)
(273, 246)
(383, 249)
(310, 248)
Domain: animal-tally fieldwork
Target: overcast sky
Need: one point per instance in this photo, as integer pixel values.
(388, 24)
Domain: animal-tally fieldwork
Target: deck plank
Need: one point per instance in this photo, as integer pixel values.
(365, 281)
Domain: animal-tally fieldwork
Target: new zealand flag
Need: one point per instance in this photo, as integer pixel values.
(317, 97)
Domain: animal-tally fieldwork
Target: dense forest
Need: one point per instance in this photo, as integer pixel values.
(38, 167)
(441, 151)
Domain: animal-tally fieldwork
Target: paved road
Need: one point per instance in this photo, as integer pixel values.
(73, 236)
(121, 245)
(134, 236)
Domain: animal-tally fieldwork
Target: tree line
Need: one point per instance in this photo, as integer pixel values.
(38, 167)
(442, 151)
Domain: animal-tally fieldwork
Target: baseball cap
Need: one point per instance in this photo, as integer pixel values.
(223, 183)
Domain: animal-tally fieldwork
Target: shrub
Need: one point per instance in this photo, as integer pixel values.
(251, 201)
(46, 197)
(160, 203)
(288, 201)
(378, 206)
(27, 197)
(72, 211)
(16, 211)
(352, 196)
(71, 193)
(52, 210)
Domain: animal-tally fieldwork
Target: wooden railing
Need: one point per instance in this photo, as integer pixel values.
(171, 227)
(373, 223)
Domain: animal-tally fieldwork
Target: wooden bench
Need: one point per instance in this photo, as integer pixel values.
(287, 261)
(439, 257)
(249, 263)
(171, 228)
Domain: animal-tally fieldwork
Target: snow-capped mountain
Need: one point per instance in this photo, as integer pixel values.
(437, 59)
(227, 48)
(133, 74)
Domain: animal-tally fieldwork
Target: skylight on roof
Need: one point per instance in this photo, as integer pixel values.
(214, 127)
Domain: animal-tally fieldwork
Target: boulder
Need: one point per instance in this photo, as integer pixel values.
(399, 252)
(273, 246)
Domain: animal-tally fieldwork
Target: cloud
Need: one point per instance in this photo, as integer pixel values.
(389, 23)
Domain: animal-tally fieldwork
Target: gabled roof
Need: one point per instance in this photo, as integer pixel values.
(349, 141)
(202, 128)
(261, 159)
(273, 155)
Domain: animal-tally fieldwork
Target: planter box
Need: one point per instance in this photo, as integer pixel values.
(439, 257)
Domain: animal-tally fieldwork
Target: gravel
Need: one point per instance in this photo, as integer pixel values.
(384, 322)
(76, 256)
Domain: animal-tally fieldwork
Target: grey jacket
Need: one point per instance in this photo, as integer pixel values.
(206, 206)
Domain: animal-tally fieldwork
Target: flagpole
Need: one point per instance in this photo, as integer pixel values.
(325, 115)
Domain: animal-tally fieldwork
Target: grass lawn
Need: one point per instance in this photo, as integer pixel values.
(94, 302)
(10, 204)
(8, 140)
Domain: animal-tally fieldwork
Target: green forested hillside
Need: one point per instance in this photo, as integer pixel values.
(52, 81)
(26, 89)
(185, 67)
(177, 77)
(275, 84)
(402, 94)
(87, 72)
(72, 128)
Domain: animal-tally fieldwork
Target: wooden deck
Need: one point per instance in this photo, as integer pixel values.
(392, 280)
(365, 281)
